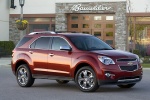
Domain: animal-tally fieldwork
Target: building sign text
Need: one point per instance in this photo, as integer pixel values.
(79, 7)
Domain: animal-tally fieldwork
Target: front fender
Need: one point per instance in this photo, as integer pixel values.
(86, 59)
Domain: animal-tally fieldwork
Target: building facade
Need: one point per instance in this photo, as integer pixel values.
(106, 19)
(4, 20)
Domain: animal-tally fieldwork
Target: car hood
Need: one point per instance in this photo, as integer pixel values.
(115, 53)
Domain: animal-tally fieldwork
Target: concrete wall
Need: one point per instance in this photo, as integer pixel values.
(48, 6)
(4, 20)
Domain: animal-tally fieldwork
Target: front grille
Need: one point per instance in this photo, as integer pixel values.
(129, 68)
(126, 59)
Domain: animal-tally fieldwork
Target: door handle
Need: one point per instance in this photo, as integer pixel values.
(31, 52)
(51, 54)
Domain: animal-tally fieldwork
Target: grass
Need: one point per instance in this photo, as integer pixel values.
(146, 65)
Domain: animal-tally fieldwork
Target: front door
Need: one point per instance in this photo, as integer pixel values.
(59, 61)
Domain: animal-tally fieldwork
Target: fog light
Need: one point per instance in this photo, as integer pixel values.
(109, 75)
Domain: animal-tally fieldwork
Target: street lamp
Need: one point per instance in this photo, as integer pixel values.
(21, 2)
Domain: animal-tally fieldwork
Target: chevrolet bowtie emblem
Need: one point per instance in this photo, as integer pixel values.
(130, 63)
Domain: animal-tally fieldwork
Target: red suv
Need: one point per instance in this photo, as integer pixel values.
(65, 57)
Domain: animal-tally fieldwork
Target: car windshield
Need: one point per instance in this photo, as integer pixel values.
(89, 43)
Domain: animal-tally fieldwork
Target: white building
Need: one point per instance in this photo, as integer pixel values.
(106, 19)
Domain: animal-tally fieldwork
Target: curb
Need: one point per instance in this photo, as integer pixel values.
(146, 68)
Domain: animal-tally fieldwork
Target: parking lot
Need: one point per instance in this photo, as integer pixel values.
(51, 90)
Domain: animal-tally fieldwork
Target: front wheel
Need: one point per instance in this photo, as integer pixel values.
(24, 76)
(127, 85)
(86, 79)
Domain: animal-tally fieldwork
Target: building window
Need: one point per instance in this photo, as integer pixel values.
(74, 17)
(109, 25)
(109, 33)
(38, 19)
(74, 25)
(53, 19)
(40, 24)
(97, 17)
(52, 27)
(85, 25)
(97, 33)
(97, 25)
(109, 17)
(39, 27)
(86, 17)
(142, 18)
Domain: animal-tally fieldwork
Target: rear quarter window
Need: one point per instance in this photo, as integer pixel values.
(23, 41)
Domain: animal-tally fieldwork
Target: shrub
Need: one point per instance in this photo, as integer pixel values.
(146, 59)
(136, 52)
(6, 48)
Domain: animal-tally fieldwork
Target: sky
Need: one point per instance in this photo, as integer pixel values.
(140, 5)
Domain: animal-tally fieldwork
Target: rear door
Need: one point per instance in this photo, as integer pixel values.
(39, 53)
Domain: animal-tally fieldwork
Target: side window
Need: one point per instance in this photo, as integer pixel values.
(41, 43)
(57, 42)
(23, 41)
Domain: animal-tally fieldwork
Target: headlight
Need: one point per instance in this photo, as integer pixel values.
(106, 60)
(138, 59)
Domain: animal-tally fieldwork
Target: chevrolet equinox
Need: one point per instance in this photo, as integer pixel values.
(78, 57)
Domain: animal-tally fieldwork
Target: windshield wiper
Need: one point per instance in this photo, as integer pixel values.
(101, 49)
(105, 49)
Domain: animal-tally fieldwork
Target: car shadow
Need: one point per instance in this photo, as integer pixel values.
(71, 86)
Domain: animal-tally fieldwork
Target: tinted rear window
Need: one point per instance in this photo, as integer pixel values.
(23, 41)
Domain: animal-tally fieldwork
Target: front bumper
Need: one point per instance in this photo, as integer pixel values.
(124, 80)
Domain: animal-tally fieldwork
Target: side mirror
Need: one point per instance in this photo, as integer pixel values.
(65, 47)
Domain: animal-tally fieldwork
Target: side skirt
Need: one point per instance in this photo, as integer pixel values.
(52, 77)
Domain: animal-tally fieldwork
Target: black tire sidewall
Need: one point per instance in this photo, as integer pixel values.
(95, 87)
(30, 79)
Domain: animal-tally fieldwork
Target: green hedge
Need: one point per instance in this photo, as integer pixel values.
(6, 48)
(146, 59)
(136, 52)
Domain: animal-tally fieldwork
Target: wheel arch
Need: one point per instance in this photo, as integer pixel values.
(83, 64)
(20, 62)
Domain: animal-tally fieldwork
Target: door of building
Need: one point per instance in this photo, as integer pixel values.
(100, 25)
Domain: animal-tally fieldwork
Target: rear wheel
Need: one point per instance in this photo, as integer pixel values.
(24, 76)
(86, 79)
(62, 81)
(126, 85)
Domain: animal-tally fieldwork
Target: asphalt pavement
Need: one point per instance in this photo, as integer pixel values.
(44, 89)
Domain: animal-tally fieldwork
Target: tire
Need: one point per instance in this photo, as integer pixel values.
(127, 85)
(24, 76)
(86, 79)
(62, 81)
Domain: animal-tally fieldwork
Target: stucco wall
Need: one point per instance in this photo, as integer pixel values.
(4, 20)
(48, 6)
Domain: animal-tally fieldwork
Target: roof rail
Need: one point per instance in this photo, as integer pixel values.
(42, 32)
(66, 32)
